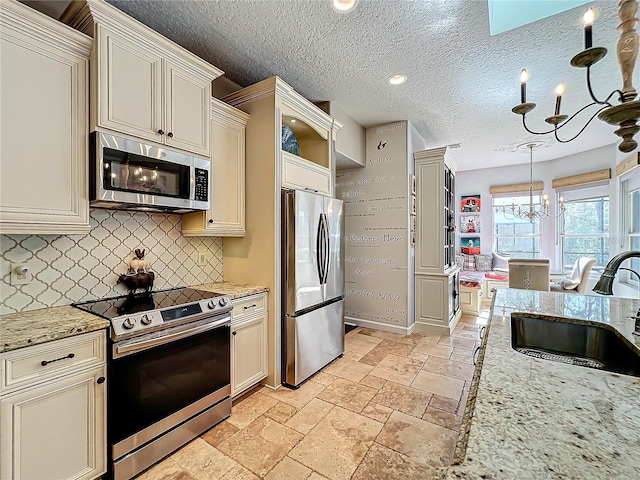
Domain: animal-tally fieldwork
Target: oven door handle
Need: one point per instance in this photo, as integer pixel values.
(129, 348)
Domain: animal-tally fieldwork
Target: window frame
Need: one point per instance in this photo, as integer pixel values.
(525, 197)
(631, 179)
(603, 236)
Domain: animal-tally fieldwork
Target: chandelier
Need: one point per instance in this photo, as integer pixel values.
(533, 211)
(624, 115)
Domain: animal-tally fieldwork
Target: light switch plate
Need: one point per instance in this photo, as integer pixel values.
(17, 278)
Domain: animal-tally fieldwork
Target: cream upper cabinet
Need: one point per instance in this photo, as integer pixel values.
(187, 99)
(308, 165)
(226, 218)
(130, 94)
(302, 132)
(145, 85)
(53, 409)
(44, 69)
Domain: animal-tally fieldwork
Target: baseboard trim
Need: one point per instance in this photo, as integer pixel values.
(381, 326)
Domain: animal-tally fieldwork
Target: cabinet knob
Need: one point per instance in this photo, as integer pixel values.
(161, 132)
(211, 220)
(170, 135)
(100, 380)
(234, 332)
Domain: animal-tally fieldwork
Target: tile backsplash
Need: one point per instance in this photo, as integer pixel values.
(72, 268)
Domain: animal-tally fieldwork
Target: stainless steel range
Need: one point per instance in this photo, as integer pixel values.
(168, 373)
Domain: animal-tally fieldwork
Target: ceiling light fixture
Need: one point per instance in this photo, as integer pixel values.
(535, 211)
(343, 6)
(397, 79)
(627, 112)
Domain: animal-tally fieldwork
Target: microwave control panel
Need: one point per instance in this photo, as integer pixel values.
(202, 185)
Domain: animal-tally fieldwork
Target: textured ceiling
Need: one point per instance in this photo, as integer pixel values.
(462, 81)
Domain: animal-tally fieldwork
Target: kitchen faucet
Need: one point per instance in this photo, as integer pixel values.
(605, 283)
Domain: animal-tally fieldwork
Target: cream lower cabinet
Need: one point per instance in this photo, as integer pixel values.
(226, 218)
(54, 428)
(44, 74)
(437, 303)
(248, 342)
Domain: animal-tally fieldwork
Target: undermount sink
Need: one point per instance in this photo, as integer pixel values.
(576, 344)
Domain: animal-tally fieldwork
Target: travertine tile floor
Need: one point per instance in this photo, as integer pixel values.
(389, 409)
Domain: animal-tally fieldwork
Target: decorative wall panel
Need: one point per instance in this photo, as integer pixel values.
(72, 268)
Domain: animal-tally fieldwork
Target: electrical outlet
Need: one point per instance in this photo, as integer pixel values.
(202, 257)
(17, 277)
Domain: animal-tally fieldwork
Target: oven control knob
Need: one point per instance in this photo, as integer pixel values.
(146, 319)
(128, 323)
(211, 304)
(222, 302)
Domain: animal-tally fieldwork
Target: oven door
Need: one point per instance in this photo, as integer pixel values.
(159, 380)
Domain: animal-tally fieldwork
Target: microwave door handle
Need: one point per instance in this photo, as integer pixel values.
(192, 182)
(129, 348)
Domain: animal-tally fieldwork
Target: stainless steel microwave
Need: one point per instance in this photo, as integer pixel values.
(129, 175)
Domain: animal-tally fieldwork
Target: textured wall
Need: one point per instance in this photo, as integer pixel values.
(72, 268)
(376, 230)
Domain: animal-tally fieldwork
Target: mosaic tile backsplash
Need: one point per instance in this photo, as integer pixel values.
(73, 268)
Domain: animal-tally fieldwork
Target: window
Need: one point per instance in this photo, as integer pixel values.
(631, 224)
(516, 237)
(584, 227)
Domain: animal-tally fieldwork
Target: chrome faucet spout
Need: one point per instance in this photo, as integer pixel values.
(605, 283)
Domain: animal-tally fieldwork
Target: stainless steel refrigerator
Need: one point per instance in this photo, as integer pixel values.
(313, 283)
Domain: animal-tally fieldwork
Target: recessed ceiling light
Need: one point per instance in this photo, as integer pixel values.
(343, 6)
(397, 79)
(293, 120)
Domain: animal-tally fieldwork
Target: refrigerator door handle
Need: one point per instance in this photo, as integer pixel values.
(326, 247)
(319, 246)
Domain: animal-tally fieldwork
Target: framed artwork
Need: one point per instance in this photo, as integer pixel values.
(470, 245)
(412, 223)
(412, 184)
(470, 203)
(413, 205)
(469, 223)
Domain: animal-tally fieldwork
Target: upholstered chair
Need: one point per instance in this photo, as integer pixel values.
(576, 282)
(529, 274)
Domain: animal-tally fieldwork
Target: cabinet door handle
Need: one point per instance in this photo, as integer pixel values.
(170, 135)
(310, 189)
(100, 380)
(161, 132)
(211, 220)
(234, 332)
(44, 363)
(250, 306)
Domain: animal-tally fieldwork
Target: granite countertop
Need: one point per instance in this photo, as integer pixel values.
(234, 290)
(538, 419)
(43, 325)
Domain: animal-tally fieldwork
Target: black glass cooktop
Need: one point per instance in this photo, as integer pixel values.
(127, 304)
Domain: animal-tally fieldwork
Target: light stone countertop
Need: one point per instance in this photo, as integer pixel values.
(529, 418)
(43, 325)
(234, 290)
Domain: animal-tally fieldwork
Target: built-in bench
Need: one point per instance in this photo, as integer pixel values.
(476, 289)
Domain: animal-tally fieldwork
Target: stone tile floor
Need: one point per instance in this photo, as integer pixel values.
(390, 408)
